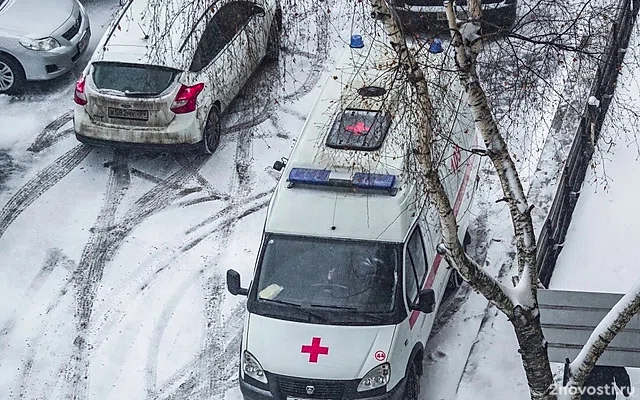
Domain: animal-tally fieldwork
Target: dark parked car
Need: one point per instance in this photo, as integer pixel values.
(430, 15)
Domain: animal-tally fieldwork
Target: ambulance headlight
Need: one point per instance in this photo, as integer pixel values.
(377, 377)
(252, 367)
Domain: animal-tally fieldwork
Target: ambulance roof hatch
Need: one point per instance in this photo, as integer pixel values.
(354, 129)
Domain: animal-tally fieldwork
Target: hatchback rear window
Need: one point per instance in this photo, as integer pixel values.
(133, 79)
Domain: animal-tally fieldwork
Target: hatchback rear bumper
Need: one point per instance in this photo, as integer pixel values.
(183, 132)
(169, 148)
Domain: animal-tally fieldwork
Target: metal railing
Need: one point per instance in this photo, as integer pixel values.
(554, 230)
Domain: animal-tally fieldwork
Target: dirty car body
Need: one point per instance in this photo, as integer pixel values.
(161, 77)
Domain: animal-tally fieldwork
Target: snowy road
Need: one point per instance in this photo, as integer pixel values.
(113, 262)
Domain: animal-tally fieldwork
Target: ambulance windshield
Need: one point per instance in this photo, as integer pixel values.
(317, 273)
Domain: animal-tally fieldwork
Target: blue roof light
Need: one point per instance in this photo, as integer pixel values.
(373, 181)
(356, 42)
(436, 46)
(309, 176)
(360, 180)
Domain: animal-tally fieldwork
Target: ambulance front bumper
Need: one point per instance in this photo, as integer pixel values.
(278, 385)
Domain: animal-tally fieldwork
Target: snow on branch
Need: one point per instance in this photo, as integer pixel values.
(603, 334)
(497, 293)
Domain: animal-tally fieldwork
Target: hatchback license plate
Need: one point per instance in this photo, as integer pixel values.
(121, 113)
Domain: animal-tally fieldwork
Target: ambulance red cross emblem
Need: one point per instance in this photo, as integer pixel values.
(314, 350)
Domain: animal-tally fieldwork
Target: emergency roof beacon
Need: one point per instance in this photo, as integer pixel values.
(347, 279)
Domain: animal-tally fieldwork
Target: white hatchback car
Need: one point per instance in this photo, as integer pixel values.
(161, 76)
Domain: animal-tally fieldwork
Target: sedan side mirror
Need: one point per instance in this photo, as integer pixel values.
(426, 301)
(233, 283)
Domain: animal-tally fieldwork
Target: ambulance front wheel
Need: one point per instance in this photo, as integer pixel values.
(412, 387)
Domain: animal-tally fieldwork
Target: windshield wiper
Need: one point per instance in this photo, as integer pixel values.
(354, 312)
(334, 307)
(288, 303)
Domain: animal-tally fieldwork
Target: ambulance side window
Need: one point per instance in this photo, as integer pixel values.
(416, 270)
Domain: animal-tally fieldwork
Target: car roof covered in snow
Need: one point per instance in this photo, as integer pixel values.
(155, 32)
(347, 213)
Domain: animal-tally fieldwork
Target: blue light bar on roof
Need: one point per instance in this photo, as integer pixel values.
(373, 181)
(309, 176)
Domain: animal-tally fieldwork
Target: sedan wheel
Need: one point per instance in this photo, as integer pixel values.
(11, 75)
(7, 77)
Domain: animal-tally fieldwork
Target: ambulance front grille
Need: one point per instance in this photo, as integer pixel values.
(330, 390)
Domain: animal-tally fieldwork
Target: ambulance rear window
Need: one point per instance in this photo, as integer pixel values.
(359, 130)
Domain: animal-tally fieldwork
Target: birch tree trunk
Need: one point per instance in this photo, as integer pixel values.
(519, 304)
(525, 316)
(452, 249)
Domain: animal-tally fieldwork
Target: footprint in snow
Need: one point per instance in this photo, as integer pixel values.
(437, 355)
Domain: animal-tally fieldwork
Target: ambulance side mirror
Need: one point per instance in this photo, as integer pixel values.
(426, 301)
(233, 283)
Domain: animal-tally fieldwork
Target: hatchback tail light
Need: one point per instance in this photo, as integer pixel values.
(79, 96)
(186, 99)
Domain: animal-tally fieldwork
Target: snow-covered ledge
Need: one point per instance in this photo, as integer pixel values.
(562, 133)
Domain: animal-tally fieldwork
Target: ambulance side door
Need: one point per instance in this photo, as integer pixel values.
(415, 279)
(432, 235)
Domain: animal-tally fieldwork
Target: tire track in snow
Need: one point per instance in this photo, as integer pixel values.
(204, 374)
(55, 258)
(227, 211)
(151, 369)
(182, 384)
(103, 244)
(39, 184)
(195, 171)
(213, 293)
(162, 261)
(242, 164)
(213, 285)
(167, 257)
(51, 135)
(214, 355)
(87, 276)
(163, 194)
(317, 59)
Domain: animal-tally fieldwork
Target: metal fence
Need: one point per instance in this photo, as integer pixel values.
(553, 232)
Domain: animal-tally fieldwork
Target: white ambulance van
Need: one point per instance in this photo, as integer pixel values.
(347, 280)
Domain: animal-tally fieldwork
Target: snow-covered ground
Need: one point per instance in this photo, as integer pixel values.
(112, 262)
(597, 255)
